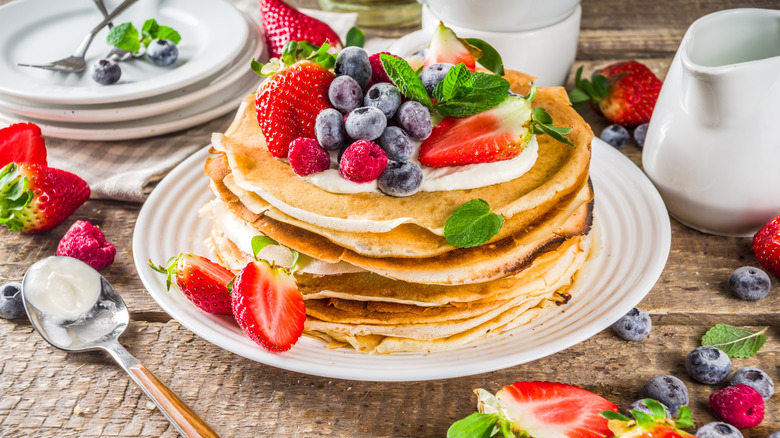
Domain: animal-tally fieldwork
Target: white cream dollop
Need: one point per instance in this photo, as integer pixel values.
(62, 287)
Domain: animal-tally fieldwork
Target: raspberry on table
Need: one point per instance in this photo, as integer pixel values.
(363, 161)
(87, 243)
(740, 406)
(306, 156)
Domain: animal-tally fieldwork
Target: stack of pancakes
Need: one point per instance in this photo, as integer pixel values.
(376, 272)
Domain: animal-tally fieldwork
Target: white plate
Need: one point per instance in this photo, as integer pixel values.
(143, 108)
(635, 237)
(39, 31)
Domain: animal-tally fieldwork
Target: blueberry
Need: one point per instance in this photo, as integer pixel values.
(329, 129)
(366, 123)
(415, 119)
(353, 61)
(633, 326)
(434, 74)
(668, 390)
(775, 434)
(106, 72)
(749, 283)
(345, 94)
(708, 365)
(400, 178)
(11, 306)
(756, 379)
(384, 96)
(615, 135)
(716, 429)
(162, 52)
(640, 132)
(396, 143)
(640, 406)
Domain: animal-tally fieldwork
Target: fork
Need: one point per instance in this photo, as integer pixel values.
(76, 63)
(116, 53)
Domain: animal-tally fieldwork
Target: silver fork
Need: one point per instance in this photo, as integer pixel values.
(116, 53)
(76, 63)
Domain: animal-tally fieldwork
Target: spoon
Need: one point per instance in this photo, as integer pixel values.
(99, 329)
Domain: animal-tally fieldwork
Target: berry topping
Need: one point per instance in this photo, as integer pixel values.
(377, 70)
(396, 143)
(11, 305)
(756, 379)
(353, 61)
(615, 135)
(106, 72)
(434, 74)
(202, 281)
(716, 429)
(640, 132)
(22, 143)
(363, 161)
(329, 128)
(668, 390)
(365, 123)
(766, 246)
(633, 326)
(446, 47)
(415, 119)
(400, 178)
(749, 283)
(87, 243)
(345, 94)
(307, 156)
(641, 406)
(385, 97)
(268, 306)
(283, 23)
(740, 405)
(162, 52)
(708, 365)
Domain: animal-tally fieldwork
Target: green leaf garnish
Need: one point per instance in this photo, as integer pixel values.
(595, 90)
(655, 407)
(490, 58)
(148, 31)
(472, 224)
(168, 33)
(542, 123)
(612, 415)
(355, 37)
(292, 52)
(684, 418)
(734, 341)
(14, 197)
(125, 37)
(476, 425)
(405, 78)
(458, 82)
(486, 91)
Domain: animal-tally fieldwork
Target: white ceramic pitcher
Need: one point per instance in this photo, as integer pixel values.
(713, 144)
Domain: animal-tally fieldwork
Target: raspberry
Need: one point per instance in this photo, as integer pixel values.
(307, 156)
(377, 71)
(363, 161)
(87, 243)
(739, 405)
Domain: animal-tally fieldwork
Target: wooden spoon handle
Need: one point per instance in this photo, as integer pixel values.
(177, 412)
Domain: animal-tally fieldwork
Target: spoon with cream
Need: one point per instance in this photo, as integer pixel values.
(75, 309)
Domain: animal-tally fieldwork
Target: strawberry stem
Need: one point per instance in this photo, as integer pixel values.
(14, 197)
(293, 52)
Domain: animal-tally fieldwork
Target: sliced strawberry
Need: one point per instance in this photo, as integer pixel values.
(283, 23)
(497, 134)
(22, 143)
(36, 198)
(766, 246)
(202, 281)
(445, 46)
(268, 306)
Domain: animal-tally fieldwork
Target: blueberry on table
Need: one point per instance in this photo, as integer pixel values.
(366, 123)
(11, 306)
(106, 72)
(329, 129)
(384, 96)
(415, 119)
(640, 132)
(162, 52)
(668, 390)
(633, 326)
(718, 429)
(396, 143)
(756, 379)
(345, 94)
(434, 74)
(708, 365)
(615, 135)
(749, 283)
(353, 61)
(400, 178)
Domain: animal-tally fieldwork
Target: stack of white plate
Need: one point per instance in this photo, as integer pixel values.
(209, 79)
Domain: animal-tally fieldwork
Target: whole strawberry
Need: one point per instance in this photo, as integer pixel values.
(283, 23)
(625, 93)
(36, 198)
(766, 246)
(22, 143)
(202, 281)
(653, 425)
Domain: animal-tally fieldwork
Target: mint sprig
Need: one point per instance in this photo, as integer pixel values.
(490, 58)
(355, 37)
(542, 122)
(126, 37)
(472, 224)
(734, 341)
(405, 78)
(481, 93)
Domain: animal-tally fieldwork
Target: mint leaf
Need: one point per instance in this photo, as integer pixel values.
(490, 58)
(735, 342)
(476, 425)
(486, 91)
(149, 31)
(684, 418)
(541, 123)
(125, 37)
(404, 77)
(355, 37)
(472, 224)
(458, 82)
(168, 33)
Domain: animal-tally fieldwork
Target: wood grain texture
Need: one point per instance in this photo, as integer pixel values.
(50, 393)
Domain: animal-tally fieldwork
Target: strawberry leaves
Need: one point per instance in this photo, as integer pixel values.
(293, 52)
(14, 196)
(586, 91)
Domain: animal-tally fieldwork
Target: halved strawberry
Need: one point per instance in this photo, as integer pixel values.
(268, 306)
(283, 23)
(202, 281)
(497, 134)
(22, 143)
(766, 246)
(445, 46)
(653, 425)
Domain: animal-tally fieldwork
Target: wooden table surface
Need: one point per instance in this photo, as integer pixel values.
(47, 392)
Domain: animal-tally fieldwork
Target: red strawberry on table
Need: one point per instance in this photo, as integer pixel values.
(268, 306)
(283, 23)
(22, 143)
(202, 281)
(36, 198)
(766, 246)
(625, 92)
